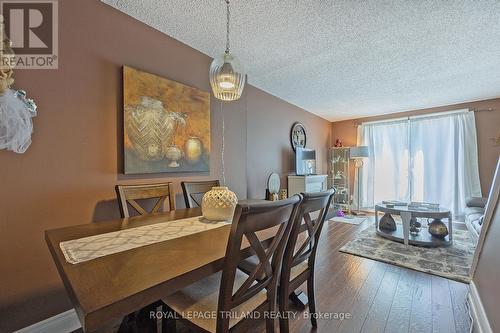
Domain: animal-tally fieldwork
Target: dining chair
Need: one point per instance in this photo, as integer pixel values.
(194, 191)
(300, 253)
(129, 194)
(232, 291)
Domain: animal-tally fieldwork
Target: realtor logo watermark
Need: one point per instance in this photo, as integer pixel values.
(32, 27)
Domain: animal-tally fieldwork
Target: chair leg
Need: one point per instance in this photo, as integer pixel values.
(271, 298)
(283, 308)
(312, 299)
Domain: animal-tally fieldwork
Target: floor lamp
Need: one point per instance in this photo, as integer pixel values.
(358, 154)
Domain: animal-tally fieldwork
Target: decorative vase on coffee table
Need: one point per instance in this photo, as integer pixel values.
(387, 223)
(438, 229)
(218, 204)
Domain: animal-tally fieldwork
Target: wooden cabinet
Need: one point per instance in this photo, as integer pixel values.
(308, 184)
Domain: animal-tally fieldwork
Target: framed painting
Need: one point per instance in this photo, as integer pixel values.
(166, 125)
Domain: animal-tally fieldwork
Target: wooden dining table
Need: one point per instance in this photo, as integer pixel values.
(106, 289)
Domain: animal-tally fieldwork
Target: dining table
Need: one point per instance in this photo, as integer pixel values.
(106, 289)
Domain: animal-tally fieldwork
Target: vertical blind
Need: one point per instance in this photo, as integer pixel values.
(427, 158)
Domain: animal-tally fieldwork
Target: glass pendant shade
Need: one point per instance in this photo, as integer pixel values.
(227, 77)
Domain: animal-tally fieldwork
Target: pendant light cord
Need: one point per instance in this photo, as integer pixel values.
(227, 27)
(222, 147)
(221, 109)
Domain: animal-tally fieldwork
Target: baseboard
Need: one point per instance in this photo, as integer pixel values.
(61, 323)
(480, 323)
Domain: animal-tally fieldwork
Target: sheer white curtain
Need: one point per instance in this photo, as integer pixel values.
(444, 160)
(384, 175)
(430, 159)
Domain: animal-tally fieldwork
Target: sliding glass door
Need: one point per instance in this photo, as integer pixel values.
(430, 159)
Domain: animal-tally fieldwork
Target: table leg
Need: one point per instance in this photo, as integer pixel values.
(376, 219)
(450, 228)
(141, 320)
(406, 217)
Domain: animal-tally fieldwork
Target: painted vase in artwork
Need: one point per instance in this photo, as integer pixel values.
(149, 128)
(193, 149)
(166, 125)
(173, 154)
(218, 204)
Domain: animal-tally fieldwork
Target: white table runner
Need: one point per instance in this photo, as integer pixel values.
(88, 248)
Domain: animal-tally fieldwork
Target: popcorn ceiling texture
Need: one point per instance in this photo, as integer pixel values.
(346, 59)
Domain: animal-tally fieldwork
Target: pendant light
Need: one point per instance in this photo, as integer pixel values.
(227, 77)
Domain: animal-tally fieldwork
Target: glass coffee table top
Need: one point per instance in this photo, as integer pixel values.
(408, 213)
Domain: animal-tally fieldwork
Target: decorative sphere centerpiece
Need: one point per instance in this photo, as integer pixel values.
(218, 204)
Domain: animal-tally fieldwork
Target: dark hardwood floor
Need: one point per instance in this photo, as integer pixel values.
(379, 297)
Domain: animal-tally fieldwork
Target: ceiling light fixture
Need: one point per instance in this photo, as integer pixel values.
(227, 77)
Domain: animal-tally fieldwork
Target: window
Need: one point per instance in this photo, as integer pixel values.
(427, 158)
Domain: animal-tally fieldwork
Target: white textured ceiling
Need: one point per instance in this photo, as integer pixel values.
(346, 59)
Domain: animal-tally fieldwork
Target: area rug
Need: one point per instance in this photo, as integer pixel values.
(353, 220)
(451, 262)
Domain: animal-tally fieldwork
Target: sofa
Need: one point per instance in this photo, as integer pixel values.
(474, 214)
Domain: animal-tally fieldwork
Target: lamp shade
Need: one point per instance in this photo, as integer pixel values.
(358, 152)
(227, 77)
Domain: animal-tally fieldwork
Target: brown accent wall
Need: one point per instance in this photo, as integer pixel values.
(67, 176)
(487, 124)
(269, 125)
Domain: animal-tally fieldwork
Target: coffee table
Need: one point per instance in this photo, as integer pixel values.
(402, 232)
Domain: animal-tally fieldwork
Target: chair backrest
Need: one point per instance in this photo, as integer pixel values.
(129, 194)
(271, 217)
(194, 191)
(297, 251)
